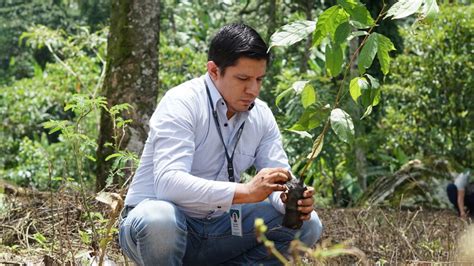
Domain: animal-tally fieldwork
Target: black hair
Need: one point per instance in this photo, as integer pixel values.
(235, 41)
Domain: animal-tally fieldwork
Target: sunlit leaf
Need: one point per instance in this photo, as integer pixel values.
(304, 134)
(356, 86)
(328, 22)
(358, 33)
(429, 10)
(359, 15)
(298, 86)
(342, 125)
(374, 83)
(308, 96)
(292, 33)
(367, 112)
(317, 147)
(403, 8)
(114, 155)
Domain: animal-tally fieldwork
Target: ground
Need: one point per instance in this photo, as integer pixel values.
(32, 223)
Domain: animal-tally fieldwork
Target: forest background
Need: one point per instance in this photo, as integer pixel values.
(410, 131)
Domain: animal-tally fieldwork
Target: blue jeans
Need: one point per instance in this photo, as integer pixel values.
(157, 233)
(452, 192)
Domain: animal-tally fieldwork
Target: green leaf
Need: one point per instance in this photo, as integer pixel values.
(342, 33)
(367, 55)
(40, 238)
(292, 33)
(403, 8)
(328, 22)
(342, 125)
(317, 147)
(308, 96)
(429, 10)
(298, 86)
(367, 112)
(357, 34)
(90, 158)
(334, 59)
(282, 95)
(357, 84)
(112, 156)
(360, 16)
(304, 134)
(370, 96)
(384, 46)
(311, 118)
(374, 83)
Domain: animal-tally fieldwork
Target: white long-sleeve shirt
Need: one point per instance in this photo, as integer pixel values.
(183, 161)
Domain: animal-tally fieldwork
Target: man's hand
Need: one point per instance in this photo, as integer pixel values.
(262, 185)
(306, 205)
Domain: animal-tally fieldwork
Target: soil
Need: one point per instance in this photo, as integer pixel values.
(43, 229)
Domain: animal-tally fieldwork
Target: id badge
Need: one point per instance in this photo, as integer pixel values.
(235, 214)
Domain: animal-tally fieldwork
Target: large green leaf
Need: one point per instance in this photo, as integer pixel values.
(308, 96)
(342, 33)
(384, 46)
(403, 8)
(367, 55)
(429, 10)
(311, 118)
(292, 33)
(360, 16)
(377, 44)
(342, 125)
(328, 22)
(356, 86)
(334, 58)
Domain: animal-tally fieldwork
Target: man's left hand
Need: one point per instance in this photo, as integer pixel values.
(305, 205)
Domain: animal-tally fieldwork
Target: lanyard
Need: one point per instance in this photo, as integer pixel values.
(230, 165)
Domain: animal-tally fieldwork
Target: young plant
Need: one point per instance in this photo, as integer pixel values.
(332, 33)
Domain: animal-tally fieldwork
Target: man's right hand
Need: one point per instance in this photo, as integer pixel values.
(262, 185)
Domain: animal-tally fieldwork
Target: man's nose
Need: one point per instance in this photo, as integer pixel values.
(253, 88)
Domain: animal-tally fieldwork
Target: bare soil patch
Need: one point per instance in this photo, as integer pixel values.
(52, 229)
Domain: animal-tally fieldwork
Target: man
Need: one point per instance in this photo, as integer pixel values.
(461, 194)
(203, 135)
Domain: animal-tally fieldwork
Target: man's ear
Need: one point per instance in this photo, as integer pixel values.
(212, 69)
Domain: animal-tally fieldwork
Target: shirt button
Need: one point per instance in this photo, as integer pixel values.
(223, 103)
(225, 124)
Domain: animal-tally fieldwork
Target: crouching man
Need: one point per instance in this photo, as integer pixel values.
(203, 135)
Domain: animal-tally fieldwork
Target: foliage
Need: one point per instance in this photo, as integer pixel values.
(16, 62)
(432, 110)
(335, 28)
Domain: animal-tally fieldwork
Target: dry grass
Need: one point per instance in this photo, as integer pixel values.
(385, 235)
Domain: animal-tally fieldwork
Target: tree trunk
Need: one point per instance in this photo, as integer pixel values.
(131, 76)
(307, 7)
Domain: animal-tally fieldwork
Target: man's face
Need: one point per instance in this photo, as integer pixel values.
(240, 84)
